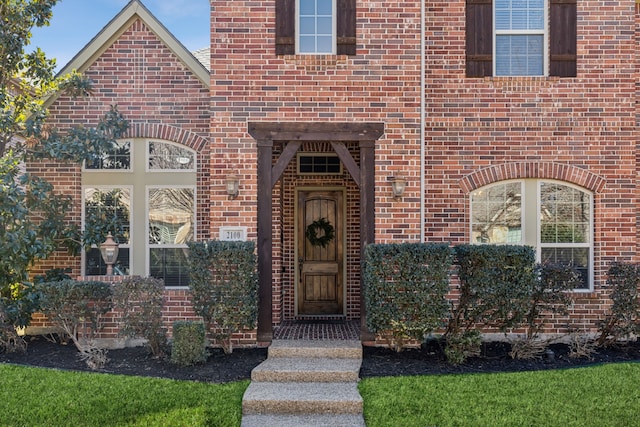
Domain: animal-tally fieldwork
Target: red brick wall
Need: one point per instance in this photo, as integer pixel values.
(580, 130)
(478, 131)
(379, 84)
(161, 98)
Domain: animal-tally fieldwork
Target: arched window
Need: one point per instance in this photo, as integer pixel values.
(554, 217)
(146, 191)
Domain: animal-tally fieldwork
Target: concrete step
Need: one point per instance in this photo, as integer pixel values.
(316, 349)
(346, 420)
(285, 369)
(262, 398)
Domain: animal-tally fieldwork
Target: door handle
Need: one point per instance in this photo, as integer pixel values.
(300, 263)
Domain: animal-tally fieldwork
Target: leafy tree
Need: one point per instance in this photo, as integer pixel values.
(32, 214)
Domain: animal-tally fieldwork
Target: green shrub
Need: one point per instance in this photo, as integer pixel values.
(496, 283)
(623, 321)
(224, 287)
(10, 341)
(77, 308)
(19, 302)
(405, 289)
(460, 347)
(140, 300)
(189, 345)
(548, 294)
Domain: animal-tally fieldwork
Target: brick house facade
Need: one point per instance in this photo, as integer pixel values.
(278, 119)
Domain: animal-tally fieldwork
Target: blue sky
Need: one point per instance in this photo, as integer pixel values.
(76, 22)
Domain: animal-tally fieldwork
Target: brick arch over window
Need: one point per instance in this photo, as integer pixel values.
(195, 142)
(168, 133)
(544, 170)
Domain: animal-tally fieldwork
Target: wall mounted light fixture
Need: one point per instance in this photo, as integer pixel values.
(109, 251)
(398, 186)
(233, 186)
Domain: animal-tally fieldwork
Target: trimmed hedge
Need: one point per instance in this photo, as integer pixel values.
(224, 287)
(495, 285)
(405, 289)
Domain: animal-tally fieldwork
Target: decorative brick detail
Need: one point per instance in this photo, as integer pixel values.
(168, 133)
(543, 170)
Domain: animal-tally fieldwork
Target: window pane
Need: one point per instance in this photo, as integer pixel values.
(519, 55)
(116, 158)
(308, 26)
(497, 214)
(307, 7)
(325, 7)
(171, 265)
(107, 211)
(95, 266)
(307, 44)
(170, 216)
(519, 15)
(576, 257)
(564, 214)
(325, 45)
(325, 26)
(164, 156)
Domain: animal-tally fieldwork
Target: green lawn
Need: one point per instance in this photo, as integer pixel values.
(43, 397)
(600, 396)
(606, 395)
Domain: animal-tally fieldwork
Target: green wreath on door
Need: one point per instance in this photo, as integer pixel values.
(326, 235)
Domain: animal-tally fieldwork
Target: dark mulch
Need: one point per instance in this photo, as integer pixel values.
(221, 368)
(430, 359)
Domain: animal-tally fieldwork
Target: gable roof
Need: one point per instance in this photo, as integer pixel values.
(118, 25)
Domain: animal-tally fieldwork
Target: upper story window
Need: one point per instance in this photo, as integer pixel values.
(512, 38)
(519, 37)
(553, 217)
(315, 27)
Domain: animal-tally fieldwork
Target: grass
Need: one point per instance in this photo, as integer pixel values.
(605, 395)
(44, 397)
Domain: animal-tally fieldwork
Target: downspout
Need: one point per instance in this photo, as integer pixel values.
(423, 120)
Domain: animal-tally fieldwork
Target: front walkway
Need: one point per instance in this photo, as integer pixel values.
(306, 383)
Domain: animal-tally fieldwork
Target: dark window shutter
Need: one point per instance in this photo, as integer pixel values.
(285, 27)
(479, 38)
(562, 35)
(346, 27)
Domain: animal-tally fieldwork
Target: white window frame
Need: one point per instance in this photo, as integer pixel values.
(334, 32)
(589, 244)
(545, 40)
(531, 221)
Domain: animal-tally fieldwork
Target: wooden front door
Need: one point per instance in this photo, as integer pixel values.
(320, 252)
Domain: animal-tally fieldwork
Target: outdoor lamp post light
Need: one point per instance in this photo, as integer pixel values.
(233, 186)
(397, 186)
(109, 251)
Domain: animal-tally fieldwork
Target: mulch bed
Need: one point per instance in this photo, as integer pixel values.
(221, 368)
